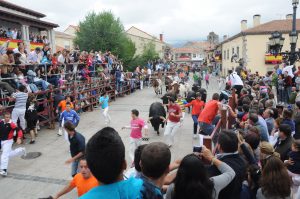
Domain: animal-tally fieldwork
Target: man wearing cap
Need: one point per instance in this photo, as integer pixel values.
(33, 56)
(173, 119)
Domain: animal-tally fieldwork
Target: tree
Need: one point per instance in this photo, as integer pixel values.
(149, 53)
(103, 32)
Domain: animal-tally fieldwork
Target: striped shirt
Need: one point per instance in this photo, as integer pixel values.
(21, 99)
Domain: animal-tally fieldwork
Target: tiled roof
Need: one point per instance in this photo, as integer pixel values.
(62, 34)
(186, 50)
(156, 39)
(283, 26)
(275, 25)
(21, 9)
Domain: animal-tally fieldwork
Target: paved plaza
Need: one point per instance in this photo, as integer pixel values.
(47, 174)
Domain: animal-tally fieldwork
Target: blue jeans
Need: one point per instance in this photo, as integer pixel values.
(74, 170)
(195, 119)
(206, 129)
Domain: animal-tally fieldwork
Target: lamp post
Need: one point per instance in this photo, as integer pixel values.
(293, 34)
(276, 42)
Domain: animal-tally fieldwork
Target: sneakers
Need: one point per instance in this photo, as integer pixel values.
(24, 153)
(59, 132)
(3, 173)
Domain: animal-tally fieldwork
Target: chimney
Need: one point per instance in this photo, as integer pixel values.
(256, 20)
(243, 25)
(161, 37)
(224, 37)
(289, 16)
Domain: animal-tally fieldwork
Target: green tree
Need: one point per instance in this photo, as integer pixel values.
(149, 53)
(103, 31)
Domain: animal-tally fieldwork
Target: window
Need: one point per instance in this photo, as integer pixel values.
(238, 52)
(232, 51)
(224, 55)
(194, 55)
(227, 53)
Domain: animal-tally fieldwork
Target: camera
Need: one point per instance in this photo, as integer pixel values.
(197, 149)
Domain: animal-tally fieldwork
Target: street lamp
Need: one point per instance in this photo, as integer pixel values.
(294, 34)
(276, 42)
(295, 3)
(293, 38)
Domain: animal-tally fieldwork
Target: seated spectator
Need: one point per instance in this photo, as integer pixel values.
(228, 147)
(32, 78)
(33, 57)
(284, 141)
(6, 86)
(53, 76)
(192, 179)
(275, 181)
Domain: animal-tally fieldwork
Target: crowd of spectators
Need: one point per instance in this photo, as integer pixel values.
(14, 33)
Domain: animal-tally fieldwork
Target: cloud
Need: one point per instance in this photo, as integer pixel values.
(179, 20)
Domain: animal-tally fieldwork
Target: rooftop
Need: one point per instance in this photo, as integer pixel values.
(283, 26)
(20, 9)
(133, 27)
(64, 35)
(186, 50)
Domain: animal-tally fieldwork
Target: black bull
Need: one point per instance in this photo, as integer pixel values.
(156, 113)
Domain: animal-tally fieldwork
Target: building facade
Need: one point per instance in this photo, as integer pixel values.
(250, 47)
(27, 22)
(64, 41)
(141, 39)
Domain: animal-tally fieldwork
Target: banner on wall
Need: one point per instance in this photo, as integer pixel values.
(271, 59)
(13, 43)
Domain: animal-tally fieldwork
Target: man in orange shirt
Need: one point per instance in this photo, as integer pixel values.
(197, 105)
(208, 114)
(83, 181)
(61, 107)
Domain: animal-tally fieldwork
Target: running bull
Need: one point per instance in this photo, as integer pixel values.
(157, 115)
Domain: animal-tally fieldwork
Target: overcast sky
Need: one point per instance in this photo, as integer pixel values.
(179, 20)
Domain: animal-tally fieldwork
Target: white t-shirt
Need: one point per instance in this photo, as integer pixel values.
(61, 59)
(289, 69)
(149, 71)
(235, 79)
